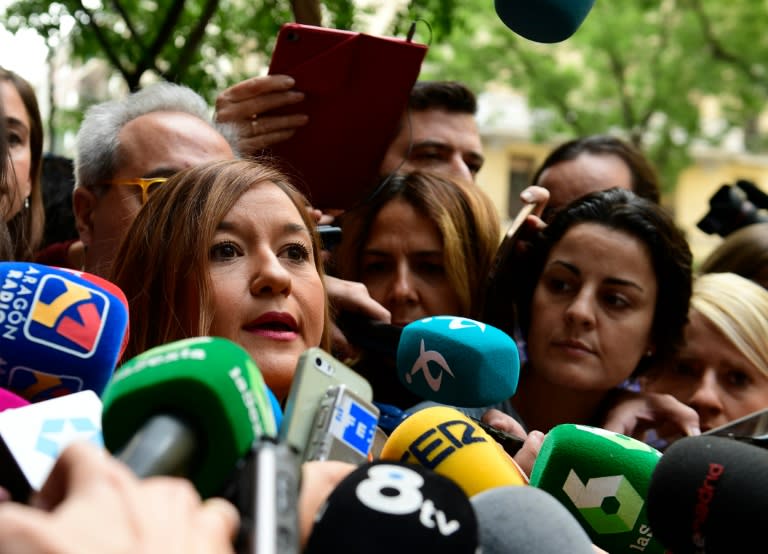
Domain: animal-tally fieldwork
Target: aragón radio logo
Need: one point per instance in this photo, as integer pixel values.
(67, 316)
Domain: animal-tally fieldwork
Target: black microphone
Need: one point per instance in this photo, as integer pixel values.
(389, 507)
(709, 494)
(543, 20)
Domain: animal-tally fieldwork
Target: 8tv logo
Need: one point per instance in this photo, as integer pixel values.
(67, 316)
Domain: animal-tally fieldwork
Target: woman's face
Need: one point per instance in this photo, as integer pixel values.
(712, 376)
(592, 309)
(18, 171)
(402, 265)
(267, 294)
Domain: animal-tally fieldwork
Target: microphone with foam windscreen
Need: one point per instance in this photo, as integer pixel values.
(521, 520)
(446, 441)
(8, 400)
(60, 332)
(190, 408)
(543, 20)
(33, 436)
(447, 359)
(387, 507)
(602, 479)
(709, 494)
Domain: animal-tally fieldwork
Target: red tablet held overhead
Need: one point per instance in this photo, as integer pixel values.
(356, 88)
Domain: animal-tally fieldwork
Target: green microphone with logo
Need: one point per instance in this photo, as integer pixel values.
(190, 408)
(602, 478)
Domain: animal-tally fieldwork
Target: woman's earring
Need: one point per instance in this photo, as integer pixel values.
(26, 203)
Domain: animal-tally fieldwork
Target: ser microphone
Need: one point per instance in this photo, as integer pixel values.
(709, 494)
(33, 436)
(447, 359)
(444, 440)
(544, 21)
(520, 520)
(602, 479)
(385, 507)
(191, 408)
(60, 332)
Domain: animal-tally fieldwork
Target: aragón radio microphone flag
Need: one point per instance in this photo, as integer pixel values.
(60, 332)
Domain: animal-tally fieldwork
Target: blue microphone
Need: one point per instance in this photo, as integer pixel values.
(543, 20)
(60, 332)
(447, 359)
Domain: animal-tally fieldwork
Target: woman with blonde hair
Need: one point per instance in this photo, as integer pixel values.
(722, 369)
(719, 374)
(226, 249)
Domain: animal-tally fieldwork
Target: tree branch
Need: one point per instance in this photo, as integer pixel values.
(192, 43)
(172, 16)
(128, 23)
(716, 47)
(106, 46)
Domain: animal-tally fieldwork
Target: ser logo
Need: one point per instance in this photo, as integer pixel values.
(67, 316)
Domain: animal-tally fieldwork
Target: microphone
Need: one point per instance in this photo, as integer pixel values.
(191, 408)
(385, 507)
(109, 286)
(520, 520)
(447, 359)
(446, 441)
(8, 400)
(602, 479)
(60, 332)
(33, 436)
(709, 494)
(543, 20)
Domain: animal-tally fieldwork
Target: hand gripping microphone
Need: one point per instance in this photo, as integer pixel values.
(386, 507)
(446, 441)
(60, 332)
(448, 359)
(709, 494)
(521, 520)
(543, 20)
(190, 408)
(602, 478)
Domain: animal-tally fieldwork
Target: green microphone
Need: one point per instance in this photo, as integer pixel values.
(189, 408)
(602, 478)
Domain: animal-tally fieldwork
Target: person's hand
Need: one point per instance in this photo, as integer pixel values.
(318, 479)
(528, 453)
(351, 296)
(247, 105)
(93, 503)
(634, 413)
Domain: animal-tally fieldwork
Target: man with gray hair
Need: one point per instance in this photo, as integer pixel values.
(126, 148)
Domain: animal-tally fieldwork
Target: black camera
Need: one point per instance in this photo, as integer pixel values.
(733, 207)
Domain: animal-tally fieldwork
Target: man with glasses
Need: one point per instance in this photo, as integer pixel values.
(125, 149)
